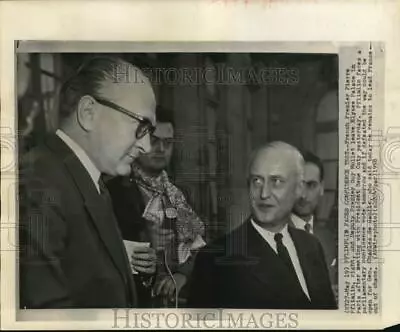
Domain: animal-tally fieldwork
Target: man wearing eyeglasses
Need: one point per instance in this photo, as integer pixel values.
(150, 208)
(71, 250)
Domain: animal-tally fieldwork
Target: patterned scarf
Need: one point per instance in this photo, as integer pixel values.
(188, 224)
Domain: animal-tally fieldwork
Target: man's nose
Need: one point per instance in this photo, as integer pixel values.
(303, 194)
(144, 144)
(265, 191)
(160, 146)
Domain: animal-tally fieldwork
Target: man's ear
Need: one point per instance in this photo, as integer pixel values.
(86, 113)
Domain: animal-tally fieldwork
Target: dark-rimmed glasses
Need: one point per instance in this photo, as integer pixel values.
(145, 126)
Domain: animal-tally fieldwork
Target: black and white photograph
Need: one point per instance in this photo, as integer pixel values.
(178, 180)
(214, 164)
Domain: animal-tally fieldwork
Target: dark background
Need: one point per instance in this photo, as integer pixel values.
(217, 126)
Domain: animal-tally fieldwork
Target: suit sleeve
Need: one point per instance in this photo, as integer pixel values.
(201, 286)
(187, 268)
(42, 239)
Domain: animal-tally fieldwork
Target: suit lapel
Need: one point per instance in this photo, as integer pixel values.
(264, 256)
(100, 214)
(306, 257)
(269, 267)
(133, 192)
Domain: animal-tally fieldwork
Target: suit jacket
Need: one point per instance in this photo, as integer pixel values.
(71, 251)
(241, 270)
(128, 206)
(328, 241)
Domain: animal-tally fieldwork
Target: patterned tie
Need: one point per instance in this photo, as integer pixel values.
(307, 227)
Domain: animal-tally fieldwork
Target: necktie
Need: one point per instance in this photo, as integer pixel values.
(110, 218)
(283, 253)
(307, 227)
(103, 189)
(105, 195)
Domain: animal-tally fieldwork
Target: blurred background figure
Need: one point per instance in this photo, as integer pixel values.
(152, 209)
(304, 211)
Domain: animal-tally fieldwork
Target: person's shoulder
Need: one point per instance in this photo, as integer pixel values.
(226, 242)
(303, 236)
(323, 231)
(214, 247)
(118, 182)
(123, 188)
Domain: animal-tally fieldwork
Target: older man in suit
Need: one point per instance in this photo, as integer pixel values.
(264, 263)
(71, 249)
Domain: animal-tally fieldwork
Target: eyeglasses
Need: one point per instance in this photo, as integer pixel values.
(145, 126)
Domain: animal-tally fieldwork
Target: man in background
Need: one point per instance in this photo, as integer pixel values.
(151, 209)
(304, 211)
(264, 264)
(71, 250)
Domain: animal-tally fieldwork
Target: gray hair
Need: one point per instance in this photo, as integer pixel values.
(283, 146)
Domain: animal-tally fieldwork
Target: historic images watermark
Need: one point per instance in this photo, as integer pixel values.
(219, 75)
(131, 319)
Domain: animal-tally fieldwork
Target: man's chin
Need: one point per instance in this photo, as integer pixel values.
(156, 168)
(302, 213)
(158, 164)
(122, 170)
(262, 219)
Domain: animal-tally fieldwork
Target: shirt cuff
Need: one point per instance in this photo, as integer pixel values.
(184, 249)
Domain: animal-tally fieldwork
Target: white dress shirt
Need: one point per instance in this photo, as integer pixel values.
(82, 156)
(288, 243)
(300, 223)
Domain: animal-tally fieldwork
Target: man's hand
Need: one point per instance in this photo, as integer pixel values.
(166, 286)
(161, 237)
(144, 260)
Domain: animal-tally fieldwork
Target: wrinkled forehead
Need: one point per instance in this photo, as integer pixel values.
(274, 162)
(135, 95)
(164, 130)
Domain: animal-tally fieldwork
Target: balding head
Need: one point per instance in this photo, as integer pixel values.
(275, 183)
(282, 148)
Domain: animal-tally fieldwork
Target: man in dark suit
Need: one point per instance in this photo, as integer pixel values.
(264, 263)
(71, 250)
(304, 210)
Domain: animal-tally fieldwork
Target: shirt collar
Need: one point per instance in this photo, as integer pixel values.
(300, 223)
(82, 156)
(268, 235)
